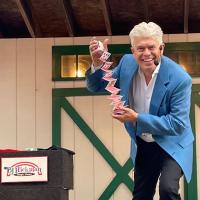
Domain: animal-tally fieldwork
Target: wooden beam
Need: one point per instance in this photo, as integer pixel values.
(107, 16)
(32, 17)
(25, 17)
(1, 29)
(68, 17)
(186, 15)
(146, 10)
(1, 35)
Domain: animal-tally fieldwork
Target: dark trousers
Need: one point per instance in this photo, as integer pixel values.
(151, 163)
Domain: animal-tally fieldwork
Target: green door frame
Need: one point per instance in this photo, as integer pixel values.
(59, 101)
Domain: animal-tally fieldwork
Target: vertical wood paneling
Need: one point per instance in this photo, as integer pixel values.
(178, 37)
(8, 93)
(84, 166)
(81, 40)
(79, 84)
(121, 150)
(122, 192)
(182, 187)
(64, 84)
(26, 93)
(43, 92)
(64, 41)
(103, 129)
(68, 137)
(120, 39)
(67, 126)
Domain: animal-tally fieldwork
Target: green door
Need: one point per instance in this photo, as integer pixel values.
(60, 102)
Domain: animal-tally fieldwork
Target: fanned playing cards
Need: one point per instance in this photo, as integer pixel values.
(116, 99)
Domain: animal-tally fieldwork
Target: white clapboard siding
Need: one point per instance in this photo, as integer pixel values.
(84, 163)
(43, 92)
(26, 104)
(103, 129)
(121, 150)
(67, 125)
(68, 137)
(8, 108)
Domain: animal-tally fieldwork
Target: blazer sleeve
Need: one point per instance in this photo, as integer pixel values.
(94, 81)
(176, 121)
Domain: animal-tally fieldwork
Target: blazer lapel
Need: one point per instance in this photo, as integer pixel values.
(159, 88)
(130, 93)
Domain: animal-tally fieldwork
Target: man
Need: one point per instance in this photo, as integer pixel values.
(157, 91)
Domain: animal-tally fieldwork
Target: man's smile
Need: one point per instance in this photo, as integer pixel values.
(147, 60)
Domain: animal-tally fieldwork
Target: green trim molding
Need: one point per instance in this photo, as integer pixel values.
(58, 51)
(60, 102)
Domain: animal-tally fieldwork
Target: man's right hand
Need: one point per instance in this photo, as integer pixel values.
(96, 52)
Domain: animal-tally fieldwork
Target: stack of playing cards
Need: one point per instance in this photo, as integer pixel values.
(114, 97)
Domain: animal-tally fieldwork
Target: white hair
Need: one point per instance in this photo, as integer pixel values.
(144, 29)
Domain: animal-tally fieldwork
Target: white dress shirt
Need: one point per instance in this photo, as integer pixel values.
(142, 96)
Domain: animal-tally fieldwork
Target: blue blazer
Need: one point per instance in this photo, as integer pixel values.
(168, 118)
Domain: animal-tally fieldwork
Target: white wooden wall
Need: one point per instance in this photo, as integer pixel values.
(26, 109)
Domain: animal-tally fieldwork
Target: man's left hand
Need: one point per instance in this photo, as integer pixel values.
(128, 115)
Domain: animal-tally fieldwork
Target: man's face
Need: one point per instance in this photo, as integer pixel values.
(146, 51)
